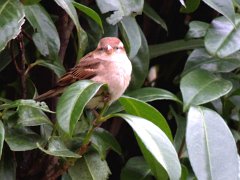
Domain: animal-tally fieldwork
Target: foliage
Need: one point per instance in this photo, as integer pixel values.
(67, 141)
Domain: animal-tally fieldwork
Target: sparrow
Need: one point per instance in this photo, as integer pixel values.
(107, 64)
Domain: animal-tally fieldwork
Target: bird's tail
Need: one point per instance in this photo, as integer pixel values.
(49, 94)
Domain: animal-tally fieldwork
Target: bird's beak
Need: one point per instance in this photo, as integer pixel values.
(109, 49)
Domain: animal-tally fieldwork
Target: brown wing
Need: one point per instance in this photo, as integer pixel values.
(86, 69)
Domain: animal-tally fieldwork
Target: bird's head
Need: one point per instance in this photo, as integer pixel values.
(110, 45)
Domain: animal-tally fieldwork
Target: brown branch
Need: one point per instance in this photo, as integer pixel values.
(27, 35)
(14, 59)
(22, 61)
(65, 27)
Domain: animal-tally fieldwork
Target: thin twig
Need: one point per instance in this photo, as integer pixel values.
(13, 58)
(65, 27)
(181, 149)
(27, 35)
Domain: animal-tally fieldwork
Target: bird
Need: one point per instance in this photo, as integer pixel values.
(107, 64)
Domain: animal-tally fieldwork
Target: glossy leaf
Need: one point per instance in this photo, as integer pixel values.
(211, 146)
(140, 64)
(131, 34)
(2, 136)
(174, 46)
(57, 148)
(12, 19)
(55, 66)
(182, 2)
(225, 7)
(82, 36)
(25, 102)
(7, 166)
(136, 168)
(33, 104)
(146, 94)
(197, 29)
(199, 87)
(157, 143)
(30, 2)
(120, 8)
(90, 167)
(201, 59)
(144, 110)
(71, 104)
(45, 36)
(89, 12)
(102, 140)
(29, 116)
(190, 6)
(222, 37)
(152, 14)
(22, 139)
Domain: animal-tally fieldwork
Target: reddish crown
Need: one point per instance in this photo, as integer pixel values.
(112, 41)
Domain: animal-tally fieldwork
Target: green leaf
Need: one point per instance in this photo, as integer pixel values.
(7, 166)
(25, 102)
(152, 14)
(90, 12)
(199, 87)
(222, 37)
(136, 168)
(57, 148)
(157, 143)
(33, 104)
(29, 116)
(225, 7)
(22, 139)
(185, 173)
(82, 35)
(211, 146)
(102, 140)
(140, 64)
(147, 94)
(71, 104)
(55, 66)
(2, 136)
(90, 167)
(174, 46)
(144, 110)
(12, 19)
(131, 34)
(197, 29)
(201, 59)
(120, 8)
(190, 6)
(182, 2)
(30, 2)
(45, 36)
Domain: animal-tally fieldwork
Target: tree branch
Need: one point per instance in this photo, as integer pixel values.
(65, 27)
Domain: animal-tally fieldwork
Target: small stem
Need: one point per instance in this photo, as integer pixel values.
(55, 172)
(27, 35)
(181, 148)
(99, 120)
